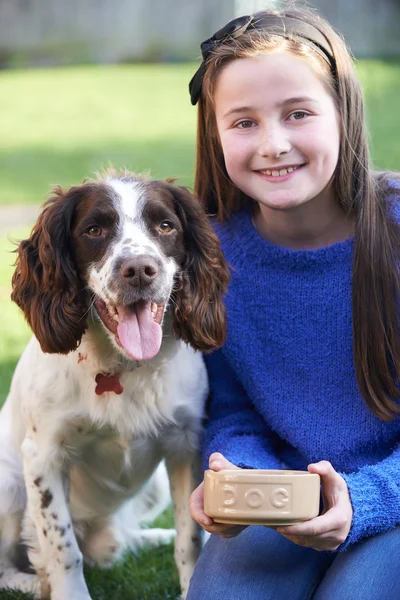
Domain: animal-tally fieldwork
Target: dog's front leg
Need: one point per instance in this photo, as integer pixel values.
(183, 479)
(47, 506)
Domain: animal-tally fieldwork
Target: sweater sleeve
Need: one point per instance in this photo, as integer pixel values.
(234, 427)
(375, 497)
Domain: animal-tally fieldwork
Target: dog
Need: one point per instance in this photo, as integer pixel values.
(122, 282)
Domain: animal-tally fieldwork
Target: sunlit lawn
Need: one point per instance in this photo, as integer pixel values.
(62, 125)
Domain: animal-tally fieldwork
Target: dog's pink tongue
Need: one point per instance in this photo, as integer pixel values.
(139, 334)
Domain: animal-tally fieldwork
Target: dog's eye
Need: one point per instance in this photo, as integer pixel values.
(165, 227)
(94, 231)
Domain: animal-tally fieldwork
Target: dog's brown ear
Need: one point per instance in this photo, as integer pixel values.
(199, 306)
(46, 285)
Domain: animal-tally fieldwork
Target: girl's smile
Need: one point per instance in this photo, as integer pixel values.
(279, 174)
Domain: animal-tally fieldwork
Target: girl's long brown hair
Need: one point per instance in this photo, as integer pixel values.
(360, 192)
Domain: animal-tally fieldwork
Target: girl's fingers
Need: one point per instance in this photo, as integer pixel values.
(217, 462)
(328, 522)
(330, 478)
(325, 532)
(197, 513)
(325, 544)
(334, 486)
(329, 530)
(225, 530)
(196, 504)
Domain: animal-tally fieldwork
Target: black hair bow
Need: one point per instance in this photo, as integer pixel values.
(287, 26)
(233, 29)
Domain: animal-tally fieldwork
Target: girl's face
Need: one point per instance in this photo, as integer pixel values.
(278, 127)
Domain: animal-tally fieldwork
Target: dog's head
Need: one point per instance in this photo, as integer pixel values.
(125, 249)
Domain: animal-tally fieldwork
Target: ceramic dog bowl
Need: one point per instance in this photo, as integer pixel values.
(264, 497)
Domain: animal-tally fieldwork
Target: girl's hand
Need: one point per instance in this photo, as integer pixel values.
(329, 530)
(217, 462)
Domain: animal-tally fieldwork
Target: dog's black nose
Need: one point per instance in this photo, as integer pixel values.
(139, 271)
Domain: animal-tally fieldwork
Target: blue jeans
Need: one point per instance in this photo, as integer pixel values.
(260, 564)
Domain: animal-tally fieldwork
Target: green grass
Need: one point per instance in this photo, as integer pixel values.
(149, 576)
(381, 85)
(62, 125)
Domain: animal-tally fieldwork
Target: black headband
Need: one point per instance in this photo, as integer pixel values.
(286, 26)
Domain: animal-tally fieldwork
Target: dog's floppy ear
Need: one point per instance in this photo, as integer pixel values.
(46, 285)
(199, 307)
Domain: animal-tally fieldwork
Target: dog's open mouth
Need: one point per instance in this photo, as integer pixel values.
(137, 328)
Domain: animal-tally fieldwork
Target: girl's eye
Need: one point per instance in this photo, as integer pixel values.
(245, 124)
(299, 114)
(165, 227)
(94, 231)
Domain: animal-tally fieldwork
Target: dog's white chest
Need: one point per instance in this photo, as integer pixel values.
(107, 469)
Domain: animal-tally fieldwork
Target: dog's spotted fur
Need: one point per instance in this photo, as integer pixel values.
(81, 471)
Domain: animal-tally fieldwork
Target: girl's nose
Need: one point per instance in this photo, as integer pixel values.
(274, 141)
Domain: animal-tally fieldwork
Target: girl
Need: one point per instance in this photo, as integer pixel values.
(308, 378)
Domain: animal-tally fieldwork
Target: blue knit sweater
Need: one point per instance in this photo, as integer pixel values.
(283, 388)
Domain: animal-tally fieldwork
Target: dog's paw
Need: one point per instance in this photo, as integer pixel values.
(103, 548)
(12, 578)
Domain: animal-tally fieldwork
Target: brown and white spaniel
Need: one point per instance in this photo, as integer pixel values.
(122, 283)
